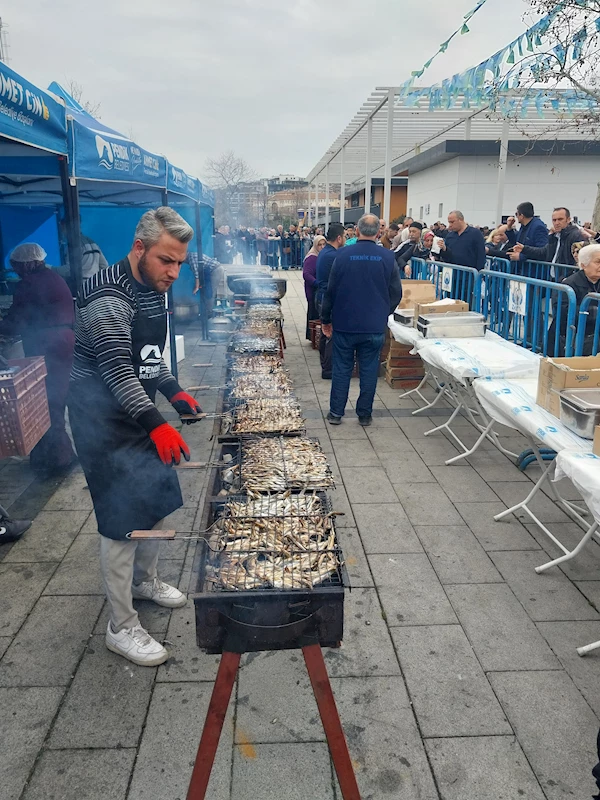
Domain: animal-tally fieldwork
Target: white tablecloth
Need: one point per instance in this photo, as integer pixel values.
(512, 403)
(583, 469)
(404, 334)
(490, 356)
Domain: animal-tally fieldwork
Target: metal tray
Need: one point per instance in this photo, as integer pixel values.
(580, 411)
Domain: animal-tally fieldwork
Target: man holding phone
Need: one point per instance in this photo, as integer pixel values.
(532, 233)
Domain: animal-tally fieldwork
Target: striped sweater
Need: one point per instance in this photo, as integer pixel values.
(105, 313)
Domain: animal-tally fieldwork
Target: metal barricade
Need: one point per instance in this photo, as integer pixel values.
(588, 326)
(539, 315)
(450, 280)
(499, 264)
(544, 271)
(541, 270)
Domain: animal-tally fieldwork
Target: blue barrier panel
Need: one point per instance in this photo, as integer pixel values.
(499, 264)
(588, 326)
(539, 315)
(450, 280)
(542, 270)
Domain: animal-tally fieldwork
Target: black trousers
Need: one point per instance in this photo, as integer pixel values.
(326, 354)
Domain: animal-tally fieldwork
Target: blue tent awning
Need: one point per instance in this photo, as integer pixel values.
(29, 115)
(99, 153)
(179, 182)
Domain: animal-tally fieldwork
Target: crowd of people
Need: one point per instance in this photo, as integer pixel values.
(331, 281)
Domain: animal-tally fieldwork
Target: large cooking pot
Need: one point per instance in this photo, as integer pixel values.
(253, 287)
(249, 274)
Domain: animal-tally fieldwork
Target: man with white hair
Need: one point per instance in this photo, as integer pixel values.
(125, 445)
(464, 245)
(364, 288)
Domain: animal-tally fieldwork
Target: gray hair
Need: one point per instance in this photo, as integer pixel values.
(458, 214)
(368, 225)
(587, 253)
(161, 220)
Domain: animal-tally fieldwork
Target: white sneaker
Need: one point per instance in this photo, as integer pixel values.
(160, 593)
(137, 645)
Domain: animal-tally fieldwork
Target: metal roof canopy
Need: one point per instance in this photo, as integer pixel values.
(374, 139)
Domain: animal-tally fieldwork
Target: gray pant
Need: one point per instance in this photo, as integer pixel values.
(123, 563)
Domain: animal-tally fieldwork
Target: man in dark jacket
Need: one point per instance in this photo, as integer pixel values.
(336, 238)
(532, 233)
(464, 245)
(561, 240)
(404, 252)
(363, 290)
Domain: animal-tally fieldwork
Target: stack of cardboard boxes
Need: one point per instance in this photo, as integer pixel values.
(403, 370)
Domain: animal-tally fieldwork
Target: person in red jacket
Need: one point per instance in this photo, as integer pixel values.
(42, 314)
(125, 445)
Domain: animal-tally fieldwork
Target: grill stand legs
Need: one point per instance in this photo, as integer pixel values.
(215, 716)
(213, 725)
(317, 671)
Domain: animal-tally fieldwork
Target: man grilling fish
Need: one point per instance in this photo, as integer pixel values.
(125, 446)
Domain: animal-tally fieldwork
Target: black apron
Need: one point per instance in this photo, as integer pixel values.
(130, 486)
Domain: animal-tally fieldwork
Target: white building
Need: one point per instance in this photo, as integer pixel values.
(477, 160)
(464, 175)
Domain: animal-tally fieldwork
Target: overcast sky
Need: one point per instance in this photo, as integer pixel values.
(275, 82)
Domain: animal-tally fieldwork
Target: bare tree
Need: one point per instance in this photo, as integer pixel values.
(563, 54)
(76, 91)
(227, 174)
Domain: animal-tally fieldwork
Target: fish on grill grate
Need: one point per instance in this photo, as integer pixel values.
(264, 311)
(267, 415)
(256, 385)
(270, 465)
(268, 328)
(263, 363)
(295, 552)
(247, 343)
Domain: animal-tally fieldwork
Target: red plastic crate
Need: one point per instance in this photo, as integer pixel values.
(24, 414)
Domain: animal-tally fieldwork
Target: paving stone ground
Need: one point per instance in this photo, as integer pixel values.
(457, 679)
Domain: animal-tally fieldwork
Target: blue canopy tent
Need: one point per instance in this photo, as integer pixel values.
(33, 165)
(111, 178)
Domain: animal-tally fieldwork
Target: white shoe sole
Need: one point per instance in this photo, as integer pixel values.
(164, 603)
(152, 662)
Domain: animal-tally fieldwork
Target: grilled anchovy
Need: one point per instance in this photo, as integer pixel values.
(270, 465)
(279, 552)
(265, 311)
(268, 415)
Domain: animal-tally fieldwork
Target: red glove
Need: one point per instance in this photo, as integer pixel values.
(170, 444)
(184, 403)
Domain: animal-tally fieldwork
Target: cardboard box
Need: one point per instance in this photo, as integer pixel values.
(557, 374)
(404, 384)
(439, 308)
(415, 292)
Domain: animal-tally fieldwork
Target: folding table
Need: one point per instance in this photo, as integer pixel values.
(457, 364)
(512, 403)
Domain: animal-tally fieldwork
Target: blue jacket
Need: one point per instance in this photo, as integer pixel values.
(325, 261)
(534, 234)
(466, 249)
(364, 289)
